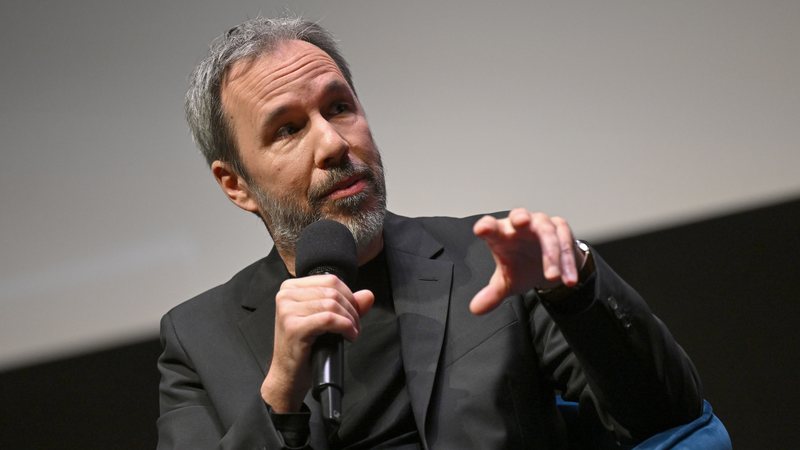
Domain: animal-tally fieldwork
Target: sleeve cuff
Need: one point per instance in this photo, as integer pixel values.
(293, 427)
(578, 300)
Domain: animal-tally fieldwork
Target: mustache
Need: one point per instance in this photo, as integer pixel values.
(336, 175)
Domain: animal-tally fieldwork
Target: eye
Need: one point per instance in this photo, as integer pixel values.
(286, 131)
(340, 108)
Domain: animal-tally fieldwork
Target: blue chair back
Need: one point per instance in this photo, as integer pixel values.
(706, 432)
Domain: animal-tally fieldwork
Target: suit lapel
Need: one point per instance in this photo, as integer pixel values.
(257, 327)
(421, 294)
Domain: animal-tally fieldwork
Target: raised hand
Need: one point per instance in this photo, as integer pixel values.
(531, 250)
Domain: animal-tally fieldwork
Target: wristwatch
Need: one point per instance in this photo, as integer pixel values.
(562, 291)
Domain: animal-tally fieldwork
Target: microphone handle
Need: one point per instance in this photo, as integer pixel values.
(327, 365)
(327, 362)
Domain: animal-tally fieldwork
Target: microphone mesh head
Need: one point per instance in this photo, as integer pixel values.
(327, 246)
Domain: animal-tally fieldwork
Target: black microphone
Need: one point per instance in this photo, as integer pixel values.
(327, 247)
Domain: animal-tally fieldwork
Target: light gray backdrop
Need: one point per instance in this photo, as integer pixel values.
(621, 115)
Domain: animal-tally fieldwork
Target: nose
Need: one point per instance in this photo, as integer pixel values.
(331, 147)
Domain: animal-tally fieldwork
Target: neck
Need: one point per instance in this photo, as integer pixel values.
(371, 250)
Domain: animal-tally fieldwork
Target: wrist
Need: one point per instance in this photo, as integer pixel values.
(585, 262)
(281, 394)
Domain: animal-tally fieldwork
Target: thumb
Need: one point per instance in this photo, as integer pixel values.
(364, 301)
(488, 298)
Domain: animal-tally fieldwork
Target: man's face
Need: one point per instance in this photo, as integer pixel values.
(305, 144)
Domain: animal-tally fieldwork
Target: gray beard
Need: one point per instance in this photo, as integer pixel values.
(285, 218)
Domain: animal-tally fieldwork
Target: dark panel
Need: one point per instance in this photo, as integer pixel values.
(104, 400)
(728, 290)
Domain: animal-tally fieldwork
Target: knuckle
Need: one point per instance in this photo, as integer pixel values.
(541, 220)
(283, 304)
(328, 319)
(329, 304)
(545, 226)
(329, 293)
(329, 279)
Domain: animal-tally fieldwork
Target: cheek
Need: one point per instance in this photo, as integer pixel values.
(290, 178)
(364, 146)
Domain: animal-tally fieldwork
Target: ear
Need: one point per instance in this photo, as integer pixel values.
(234, 186)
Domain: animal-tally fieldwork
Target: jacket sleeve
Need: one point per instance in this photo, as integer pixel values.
(604, 348)
(188, 419)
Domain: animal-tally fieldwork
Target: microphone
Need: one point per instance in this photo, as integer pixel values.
(327, 247)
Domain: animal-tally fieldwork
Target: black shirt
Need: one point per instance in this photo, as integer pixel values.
(376, 410)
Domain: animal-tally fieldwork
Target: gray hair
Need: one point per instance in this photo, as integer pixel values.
(211, 131)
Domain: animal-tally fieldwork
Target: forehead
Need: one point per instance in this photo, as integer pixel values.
(289, 66)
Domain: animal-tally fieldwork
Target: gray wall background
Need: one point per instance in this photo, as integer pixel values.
(620, 115)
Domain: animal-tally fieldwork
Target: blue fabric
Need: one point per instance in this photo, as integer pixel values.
(706, 432)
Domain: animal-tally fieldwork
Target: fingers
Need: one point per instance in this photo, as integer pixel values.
(489, 297)
(490, 227)
(485, 226)
(520, 218)
(531, 249)
(566, 242)
(544, 228)
(364, 300)
(310, 306)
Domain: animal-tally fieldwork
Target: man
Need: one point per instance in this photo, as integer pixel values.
(460, 331)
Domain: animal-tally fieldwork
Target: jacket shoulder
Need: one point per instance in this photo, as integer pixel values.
(224, 297)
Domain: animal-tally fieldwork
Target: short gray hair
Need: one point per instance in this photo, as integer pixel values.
(210, 130)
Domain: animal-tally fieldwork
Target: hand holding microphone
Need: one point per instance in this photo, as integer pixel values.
(309, 309)
(327, 247)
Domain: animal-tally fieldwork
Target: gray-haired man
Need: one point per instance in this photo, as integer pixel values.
(459, 332)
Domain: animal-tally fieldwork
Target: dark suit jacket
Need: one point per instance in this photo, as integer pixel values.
(482, 382)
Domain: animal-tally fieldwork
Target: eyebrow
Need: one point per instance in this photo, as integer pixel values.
(334, 87)
(274, 115)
